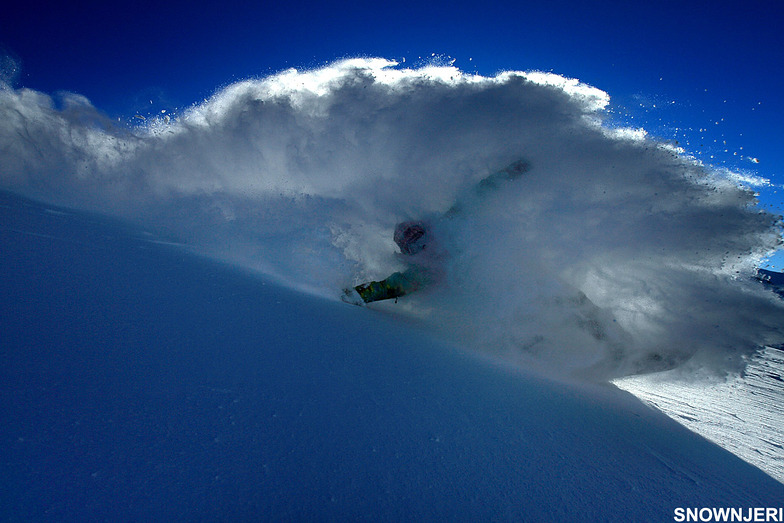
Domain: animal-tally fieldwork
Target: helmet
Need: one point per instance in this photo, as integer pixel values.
(409, 236)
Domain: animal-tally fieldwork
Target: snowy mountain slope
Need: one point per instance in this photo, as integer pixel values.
(143, 383)
(774, 280)
(744, 414)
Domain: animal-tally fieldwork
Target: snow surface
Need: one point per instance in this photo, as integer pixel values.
(143, 383)
(742, 413)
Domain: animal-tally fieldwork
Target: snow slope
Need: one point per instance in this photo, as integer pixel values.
(742, 413)
(141, 382)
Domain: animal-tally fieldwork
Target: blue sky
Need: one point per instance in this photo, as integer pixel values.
(701, 73)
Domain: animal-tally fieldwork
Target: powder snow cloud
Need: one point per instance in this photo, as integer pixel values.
(613, 254)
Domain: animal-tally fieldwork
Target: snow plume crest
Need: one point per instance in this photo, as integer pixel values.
(611, 254)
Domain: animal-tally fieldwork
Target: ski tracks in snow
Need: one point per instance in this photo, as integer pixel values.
(743, 414)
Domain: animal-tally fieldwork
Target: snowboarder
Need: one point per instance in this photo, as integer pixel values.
(412, 237)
